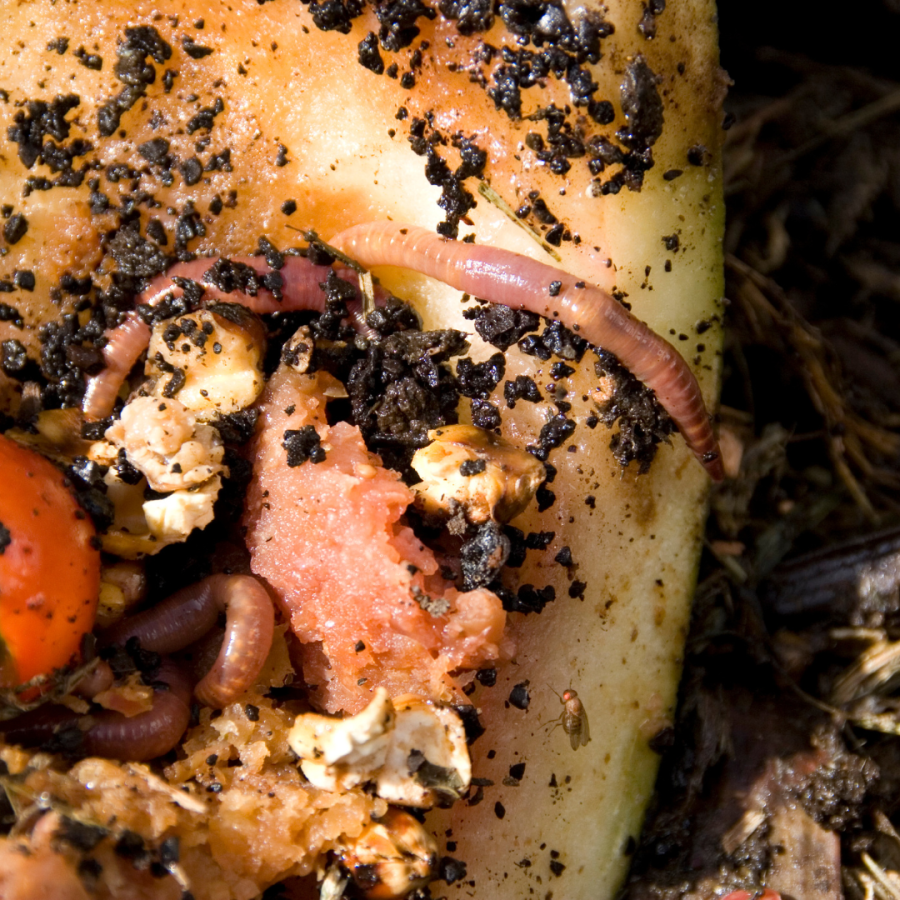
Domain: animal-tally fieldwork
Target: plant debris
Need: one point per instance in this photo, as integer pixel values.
(785, 756)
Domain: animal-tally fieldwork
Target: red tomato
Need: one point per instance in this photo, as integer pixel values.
(49, 567)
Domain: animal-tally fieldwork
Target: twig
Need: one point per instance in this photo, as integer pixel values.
(310, 235)
(883, 886)
(493, 197)
(846, 433)
(845, 124)
(367, 289)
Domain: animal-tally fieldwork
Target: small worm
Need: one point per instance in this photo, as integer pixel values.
(124, 345)
(101, 679)
(172, 625)
(111, 734)
(501, 276)
(190, 613)
(126, 342)
(146, 735)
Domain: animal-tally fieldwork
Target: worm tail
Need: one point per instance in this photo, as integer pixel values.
(501, 276)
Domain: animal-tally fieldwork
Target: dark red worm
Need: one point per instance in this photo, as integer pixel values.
(111, 734)
(172, 625)
(100, 679)
(501, 276)
(126, 342)
(146, 735)
(190, 613)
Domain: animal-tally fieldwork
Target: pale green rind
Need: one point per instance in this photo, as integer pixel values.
(638, 551)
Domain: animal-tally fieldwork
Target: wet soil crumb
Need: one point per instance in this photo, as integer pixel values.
(647, 25)
(642, 105)
(334, 15)
(456, 200)
(402, 387)
(502, 326)
(134, 72)
(642, 423)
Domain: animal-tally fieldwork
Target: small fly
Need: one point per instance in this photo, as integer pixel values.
(574, 719)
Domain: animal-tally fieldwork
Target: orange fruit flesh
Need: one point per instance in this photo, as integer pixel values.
(49, 568)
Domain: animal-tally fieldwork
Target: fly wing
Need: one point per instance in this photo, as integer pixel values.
(585, 730)
(575, 725)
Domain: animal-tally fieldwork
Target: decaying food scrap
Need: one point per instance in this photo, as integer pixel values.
(301, 433)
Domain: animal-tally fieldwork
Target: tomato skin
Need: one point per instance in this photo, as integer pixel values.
(49, 569)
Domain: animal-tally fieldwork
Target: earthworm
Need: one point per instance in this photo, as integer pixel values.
(123, 346)
(146, 735)
(100, 679)
(111, 734)
(190, 613)
(501, 276)
(126, 342)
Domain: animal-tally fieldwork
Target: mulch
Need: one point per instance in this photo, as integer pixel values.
(783, 766)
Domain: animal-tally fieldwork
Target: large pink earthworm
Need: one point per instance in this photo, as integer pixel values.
(125, 343)
(190, 613)
(501, 276)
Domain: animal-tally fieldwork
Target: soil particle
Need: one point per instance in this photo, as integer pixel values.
(303, 444)
(394, 316)
(643, 423)
(205, 118)
(37, 121)
(554, 433)
(642, 106)
(11, 314)
(519, 696)
(13, 357)
(135, 256)
(485, 415)
(154, 151)
(191, 171)
(335, 15)
(403, 387)
(398, 22)
(523, 388)
(545, 498)
(194, 50)
(471, 16)
(91, 61)
(133, 70)
(369, 57)
(647, 25)
(486, 677)
(230, 276)
(501, 326)
(451, 870)
(529, 599)
(237, 427)
(15, 228)
(479, 379)
(483, 556)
